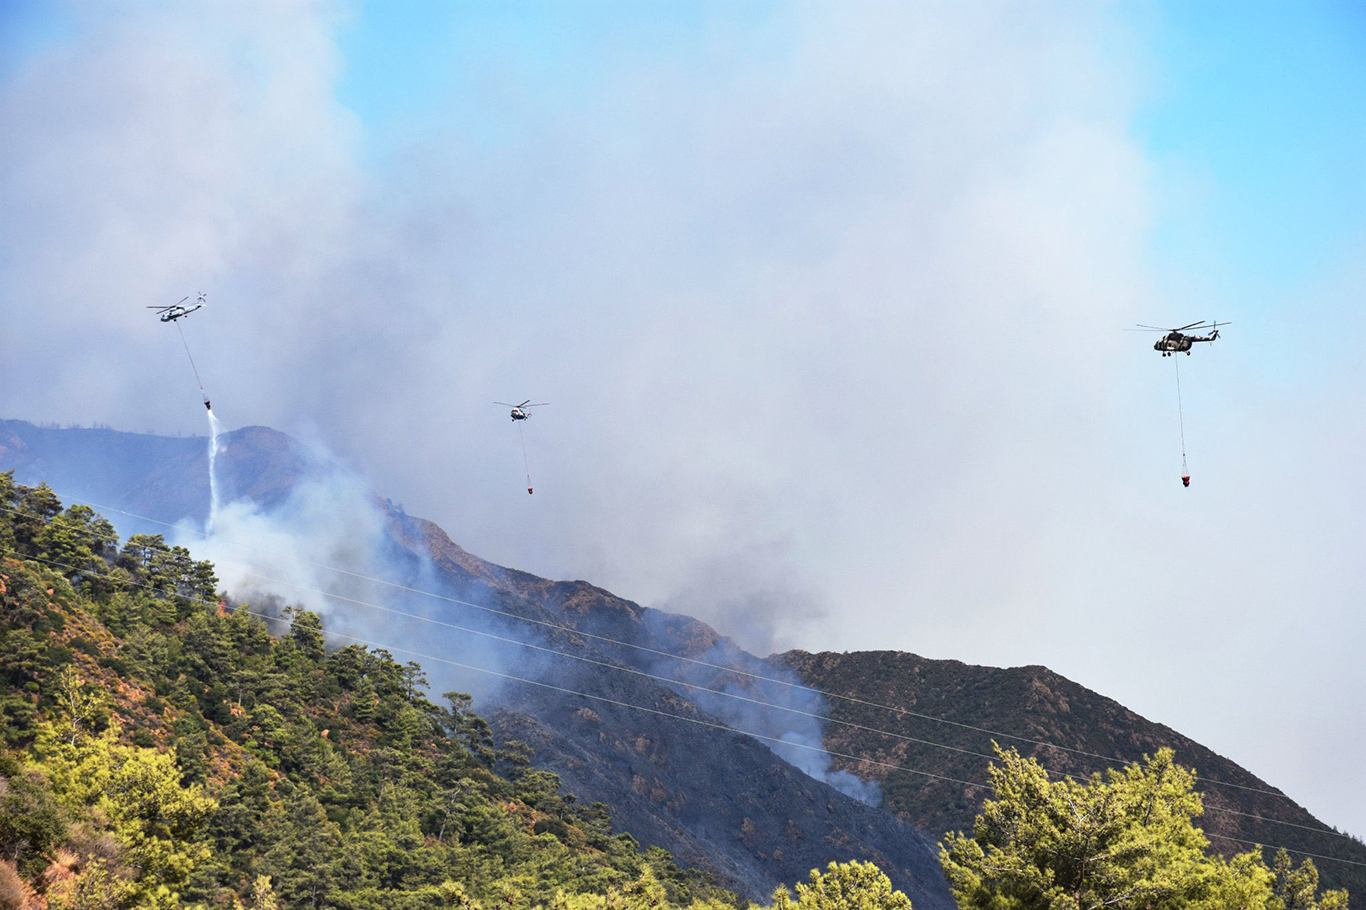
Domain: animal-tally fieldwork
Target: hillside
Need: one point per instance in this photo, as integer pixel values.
(161, 749)
(1034, 705)
(713, 798)
(166, 477)
(654, 741)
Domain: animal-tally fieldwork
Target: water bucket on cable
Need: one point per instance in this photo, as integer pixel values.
(1185, 480)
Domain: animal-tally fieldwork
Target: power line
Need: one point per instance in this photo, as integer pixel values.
(656, 711)
(901, 711)
(668, 680)
(671, 681)
(1253, 843)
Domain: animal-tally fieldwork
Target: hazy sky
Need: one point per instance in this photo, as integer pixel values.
(827, 300)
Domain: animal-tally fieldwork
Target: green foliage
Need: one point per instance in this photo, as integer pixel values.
(844, 886)
(1297, 887)
(246, 770)
(1124, 841)
(32, 822)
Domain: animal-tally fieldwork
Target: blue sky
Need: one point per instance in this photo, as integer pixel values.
(411, 63)
(1253, 115)
(827, 300)
(1260, 106)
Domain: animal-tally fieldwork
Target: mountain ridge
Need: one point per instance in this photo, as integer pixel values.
(1035, 709)
(750, 835)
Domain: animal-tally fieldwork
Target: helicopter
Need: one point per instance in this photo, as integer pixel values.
(1174, 342)
(519, 411)
(176, 310)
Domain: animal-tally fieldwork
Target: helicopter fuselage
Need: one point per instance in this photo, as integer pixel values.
(176, 313)
(1175, 342)
(519, 414)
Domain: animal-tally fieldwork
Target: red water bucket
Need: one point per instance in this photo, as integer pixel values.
(1185, 481)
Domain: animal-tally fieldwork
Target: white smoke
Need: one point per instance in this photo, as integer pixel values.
(811, 758)
(327, 547)
(292, 551)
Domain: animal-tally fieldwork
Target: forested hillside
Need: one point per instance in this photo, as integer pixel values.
(608, 722)
(162, 749)
(280, 764)
(949, 713)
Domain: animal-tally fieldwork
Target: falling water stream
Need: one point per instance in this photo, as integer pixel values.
(213, 472)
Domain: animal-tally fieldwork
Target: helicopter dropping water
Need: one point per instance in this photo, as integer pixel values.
(178, 310)
(174, 313)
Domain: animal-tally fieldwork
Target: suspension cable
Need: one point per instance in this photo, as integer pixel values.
(203, 394)
(1180, 416)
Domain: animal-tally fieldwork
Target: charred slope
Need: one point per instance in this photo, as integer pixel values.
(1034, 703)
(675, 772)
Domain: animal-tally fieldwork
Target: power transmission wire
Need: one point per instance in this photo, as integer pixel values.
(901, 711)
(693, 720)
(670, 681)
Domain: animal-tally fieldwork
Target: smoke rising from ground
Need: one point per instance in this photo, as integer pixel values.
(329, 547)
(743, 702)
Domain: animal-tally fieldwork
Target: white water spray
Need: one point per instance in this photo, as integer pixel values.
(213, 473)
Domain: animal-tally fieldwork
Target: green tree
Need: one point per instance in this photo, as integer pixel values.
(844, 886)
(138, 793)
(9, 498)
(77, 543)
(32, 822)
(1123, 842)
(36, 506)
(1297, 887)
(1080, 845)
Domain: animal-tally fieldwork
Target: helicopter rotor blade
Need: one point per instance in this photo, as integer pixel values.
(523, 404)
(506, 405)
(539, 404)
(1193, 325)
